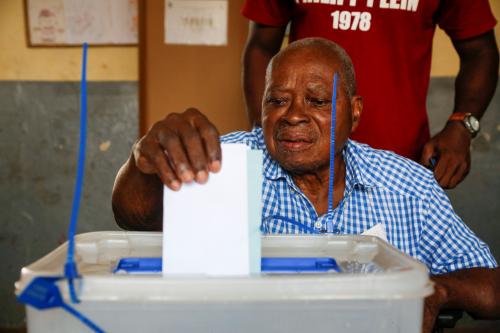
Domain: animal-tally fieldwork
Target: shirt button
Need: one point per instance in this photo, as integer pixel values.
(318, 225)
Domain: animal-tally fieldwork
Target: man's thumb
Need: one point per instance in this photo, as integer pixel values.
(427, 154)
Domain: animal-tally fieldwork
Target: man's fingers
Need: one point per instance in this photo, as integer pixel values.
(143, 153)
(459, 175)
(427, 153)
(441, 167)
(428, 320)
(451, 169)
(452, 148)
(180, 148)
(143, 165)
(166, 173)
(193, 145)
(174, 150)
(150, 159)
(212, 147)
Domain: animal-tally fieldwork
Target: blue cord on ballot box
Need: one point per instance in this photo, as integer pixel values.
(43, 291)
(70, 268)
(300, 225)
(332, 150)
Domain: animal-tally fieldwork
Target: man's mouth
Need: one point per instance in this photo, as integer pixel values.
(294, 142)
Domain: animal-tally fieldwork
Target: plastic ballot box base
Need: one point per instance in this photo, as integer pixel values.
(373, 288)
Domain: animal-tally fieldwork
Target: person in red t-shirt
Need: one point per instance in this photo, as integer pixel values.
(390, 43)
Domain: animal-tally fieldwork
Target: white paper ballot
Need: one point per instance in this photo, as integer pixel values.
(214, 228)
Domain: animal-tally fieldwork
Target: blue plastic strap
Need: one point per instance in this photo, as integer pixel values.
(302, 227)
(332, 149)
(42, 293)
(70, 269)
(82, 318)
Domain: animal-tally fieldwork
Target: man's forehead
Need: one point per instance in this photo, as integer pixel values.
(316, 67)
(310, 80)
(309, 54)
(314, 80)
(309, 64)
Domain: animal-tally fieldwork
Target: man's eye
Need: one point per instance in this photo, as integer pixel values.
(276, 101)
(318, 102)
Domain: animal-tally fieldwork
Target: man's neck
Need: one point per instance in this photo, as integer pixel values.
(315, 185)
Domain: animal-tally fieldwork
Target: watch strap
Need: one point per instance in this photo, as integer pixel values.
(465, 119)
(459, 116)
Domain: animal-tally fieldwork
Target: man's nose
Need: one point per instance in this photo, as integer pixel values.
(296, 113)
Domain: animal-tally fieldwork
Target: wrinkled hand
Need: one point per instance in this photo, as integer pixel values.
(179, 149)
(451, 147)
(432, 306)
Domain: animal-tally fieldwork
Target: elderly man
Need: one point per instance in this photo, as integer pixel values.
(371, 187)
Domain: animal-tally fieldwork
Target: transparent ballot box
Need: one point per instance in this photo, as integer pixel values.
(373, 288)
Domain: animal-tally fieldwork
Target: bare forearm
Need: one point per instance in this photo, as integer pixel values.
(137, 199)
(254, 68)
(474, 88)
(477, 79)
(476, 291)
(262, 44)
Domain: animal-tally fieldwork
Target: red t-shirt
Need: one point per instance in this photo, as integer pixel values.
(390, 43)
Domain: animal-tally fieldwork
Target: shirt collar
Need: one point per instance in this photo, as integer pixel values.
(359, 170)
(272, 169)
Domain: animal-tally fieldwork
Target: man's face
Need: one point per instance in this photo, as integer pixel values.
(296, 111)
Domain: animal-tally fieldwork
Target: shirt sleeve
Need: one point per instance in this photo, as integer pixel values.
(462, 19)
(447, 243)
(269, 12)
(253, 139)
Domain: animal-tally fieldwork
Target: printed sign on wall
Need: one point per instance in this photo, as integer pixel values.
(196, 22)
(72, 22)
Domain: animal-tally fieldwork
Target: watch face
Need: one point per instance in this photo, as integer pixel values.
(474, 123)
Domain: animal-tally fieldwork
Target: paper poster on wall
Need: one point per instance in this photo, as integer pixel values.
(196, 22)
(72, 22)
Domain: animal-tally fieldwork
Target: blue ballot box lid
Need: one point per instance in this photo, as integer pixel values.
(268, 265)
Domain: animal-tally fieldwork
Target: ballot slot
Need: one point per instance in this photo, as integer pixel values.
(270, 265)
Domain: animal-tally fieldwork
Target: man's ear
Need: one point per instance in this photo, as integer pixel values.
(356, 109)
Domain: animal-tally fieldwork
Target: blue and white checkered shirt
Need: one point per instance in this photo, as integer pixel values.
(381, 187)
